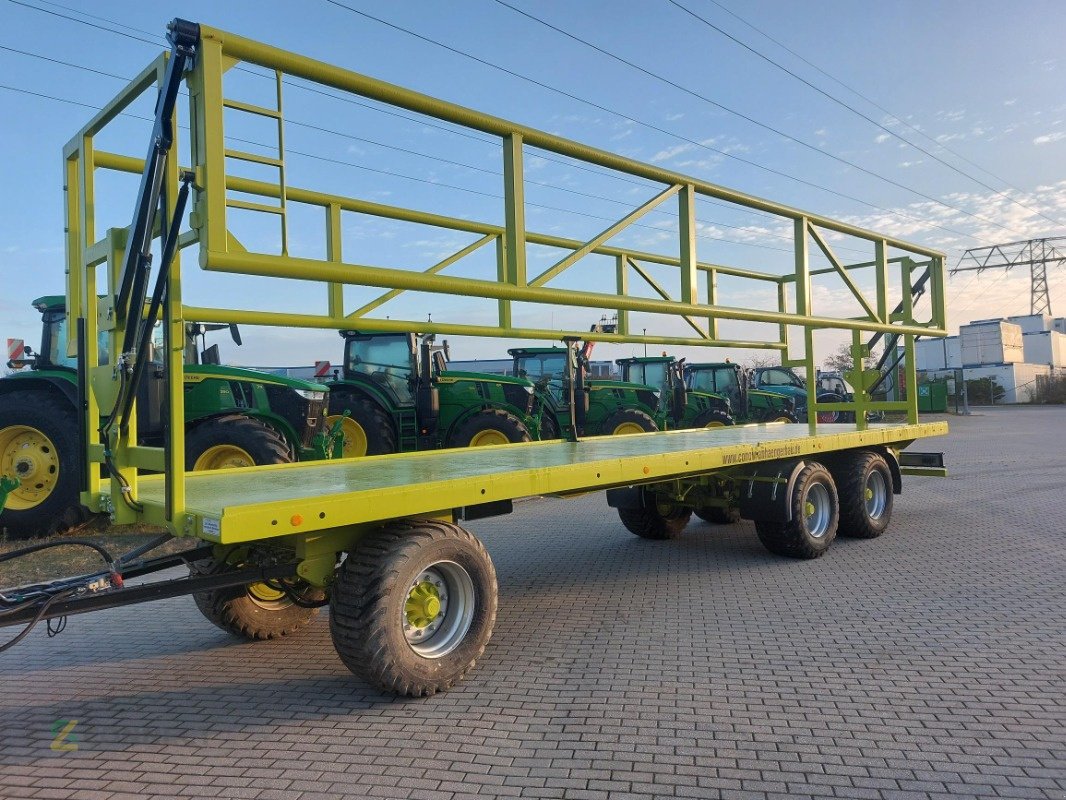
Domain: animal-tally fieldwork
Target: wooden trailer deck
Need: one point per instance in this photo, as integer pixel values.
(260, 502)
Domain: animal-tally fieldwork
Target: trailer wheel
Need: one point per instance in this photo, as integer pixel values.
(39, 446)
(815, 514)
(864, 483)
(492, 426)
(629, 420)
(256, 612)
(655, 522)
(367, 430)
(413, 606)
(232, 441)
(718, 515)
(712, 418)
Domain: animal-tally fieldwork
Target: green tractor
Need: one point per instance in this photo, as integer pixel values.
(679, 405)
(396, 394)
(233, 418)
(601, 407)
(733, 382)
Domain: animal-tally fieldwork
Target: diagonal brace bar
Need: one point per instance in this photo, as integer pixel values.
(823, 245)
(567, 262)
(438, 267)
(665, 295)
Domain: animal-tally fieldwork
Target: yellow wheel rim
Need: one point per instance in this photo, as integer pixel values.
(354, 436)
(491, 436)
(714, 424)
(627, 428)
(223, 456)
(30, 456)
(782, 419)
(268, 597)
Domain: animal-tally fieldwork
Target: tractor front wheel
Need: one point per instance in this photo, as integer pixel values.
(493, 426)
(413, 606)
(233, 441)
(627, 421)
(366, 431)
(39, 447)
(713, 418)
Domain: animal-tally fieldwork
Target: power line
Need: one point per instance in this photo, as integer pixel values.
(415, 178)
(741, 115)
(396, 148)
(865, 97)
(857, 112)
(894, 212)
(652, 126)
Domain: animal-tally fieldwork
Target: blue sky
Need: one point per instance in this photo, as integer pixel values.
(979, 79)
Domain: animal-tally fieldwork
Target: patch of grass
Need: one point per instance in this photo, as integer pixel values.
(59, 562)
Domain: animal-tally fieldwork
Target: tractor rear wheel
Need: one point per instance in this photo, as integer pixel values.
(233, 441)
(713, 418)
(39, 446)
(366, 431)
(492, 426)
(256, 612)
(629, 420)
(413, 606)
(549, 428)
(815, 512)
(864, 483)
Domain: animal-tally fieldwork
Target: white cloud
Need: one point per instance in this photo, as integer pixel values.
(881, 138)
(670, 152)
(1048, 138)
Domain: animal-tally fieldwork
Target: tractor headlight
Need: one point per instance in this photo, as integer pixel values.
(657, 392)
(529, 389)
(313, 396)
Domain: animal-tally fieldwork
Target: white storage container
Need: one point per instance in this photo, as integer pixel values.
(995, 342)
(1032, 323)
(1047, 348)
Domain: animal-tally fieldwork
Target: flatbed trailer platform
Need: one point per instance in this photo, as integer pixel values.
(412, 595)
(231, 506)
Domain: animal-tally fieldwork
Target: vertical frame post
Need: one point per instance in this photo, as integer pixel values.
(712, 300)
(686, 199)
(621, 271)
(334, 253)
(803, 307)
(912, 378)
(881, 269)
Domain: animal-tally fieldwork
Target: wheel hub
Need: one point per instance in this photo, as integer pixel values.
(426, 605)
(28, 455)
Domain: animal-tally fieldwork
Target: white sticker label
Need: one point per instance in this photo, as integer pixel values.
(212, 527)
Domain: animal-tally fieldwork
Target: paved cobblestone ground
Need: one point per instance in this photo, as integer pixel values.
(926, 664)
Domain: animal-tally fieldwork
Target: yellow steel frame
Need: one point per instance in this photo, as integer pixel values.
(208, 156)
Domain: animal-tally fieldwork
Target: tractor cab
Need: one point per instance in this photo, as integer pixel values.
(727, 380)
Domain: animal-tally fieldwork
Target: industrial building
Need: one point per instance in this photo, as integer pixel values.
(1012, 353)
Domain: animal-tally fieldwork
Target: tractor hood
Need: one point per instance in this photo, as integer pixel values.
(459, 375)
(200, 372)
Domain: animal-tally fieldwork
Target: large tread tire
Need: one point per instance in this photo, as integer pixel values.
(368, 602)
(855, 474)
(60, 509)
(717, 515)
(494, 425)
(629, 417)
(378, 429)
(238, 613)
(713, 418)
(549, 428)
(650, 523)
(795, 538)
(257, 439)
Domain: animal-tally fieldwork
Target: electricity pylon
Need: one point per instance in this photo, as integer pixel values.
(1033, 253)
